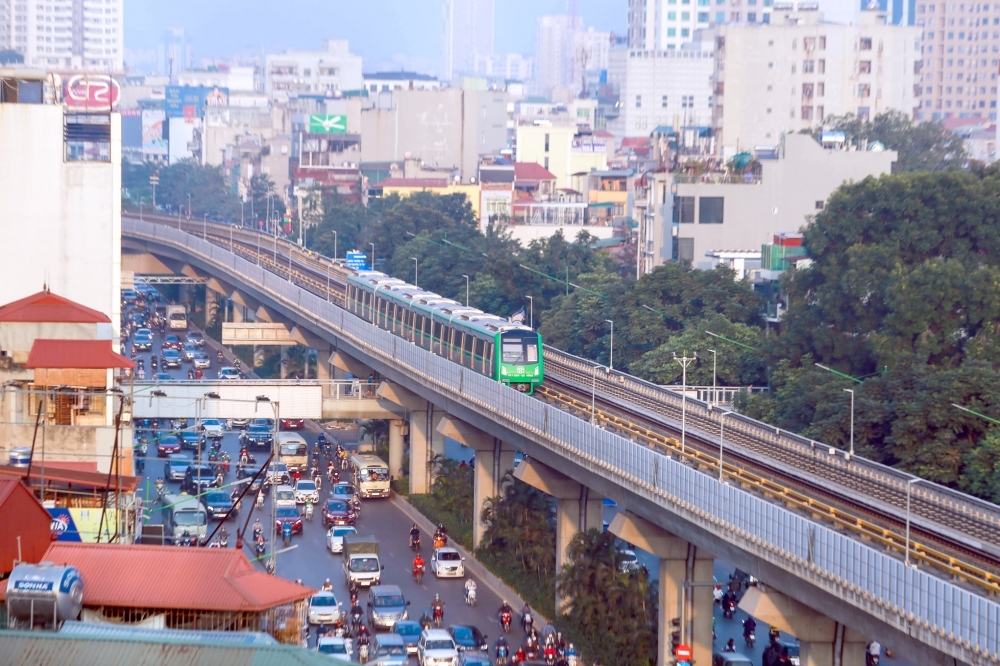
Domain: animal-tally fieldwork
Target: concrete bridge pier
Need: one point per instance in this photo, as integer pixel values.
(823, 641)
(419, 411)
(493, 460)
(685, 586)
(577, 508)
(397, 430)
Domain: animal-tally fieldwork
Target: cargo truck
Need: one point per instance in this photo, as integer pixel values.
(361, 562)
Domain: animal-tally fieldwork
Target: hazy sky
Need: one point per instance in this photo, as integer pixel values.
(405, 32)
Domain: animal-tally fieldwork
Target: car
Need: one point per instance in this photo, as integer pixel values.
(166, 445)
(437, 648)
(731, 659)
(196, 338)
(258, 436)
(202, 361)
(249, 473)
(292, 424)
(468, 637)
(229, 372)
(171, 342)
(277, 474)
(469, 658)
(306, 490)
(190, 439)
(386, 606)
(334, 647)
(198, 477)
(335, 541)
(388, 650)
(447, 563)
(176, 465)
(324, 608)
(162, 377)
(628, 561)
(337, 512)
(129, 295)
(284, 496)
(217, 504)
(171, 359)
(212, 429)
(343, 491)
(142, 341)
(782, 653)
(233, 424)
(288, 514)
(410, 632)
(188, 350)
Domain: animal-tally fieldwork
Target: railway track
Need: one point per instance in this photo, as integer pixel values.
(803, 480)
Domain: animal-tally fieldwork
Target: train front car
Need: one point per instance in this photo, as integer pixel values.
(521, 364)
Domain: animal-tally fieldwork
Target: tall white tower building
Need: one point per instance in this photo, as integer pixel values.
(65, 34)
(467, 34)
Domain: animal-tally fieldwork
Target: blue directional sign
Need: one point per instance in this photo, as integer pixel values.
(357, 260)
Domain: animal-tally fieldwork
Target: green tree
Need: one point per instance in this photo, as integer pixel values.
(924, 146)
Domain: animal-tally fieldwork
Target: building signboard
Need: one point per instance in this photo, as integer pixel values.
(190, 101)
(323, 124)
(357, 261)
(153, 143)
(91, 92)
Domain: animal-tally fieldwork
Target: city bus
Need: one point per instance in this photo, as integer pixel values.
(371, 475)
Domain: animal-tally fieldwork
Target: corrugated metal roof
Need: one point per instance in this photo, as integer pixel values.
(94, 480)
(531, 171)
(118, 631)
(36, 648)
(47, 307)
(194, 578)
(59, 354)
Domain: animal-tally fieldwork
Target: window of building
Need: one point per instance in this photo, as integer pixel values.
(807, 90)
(819, 205)
(683, 210)
(546, 143)
(819, 113)
(807, 113)
(822, 43)
(685, 32)
(809, 43)
(864, 90)
(865, 67)
(685, 16)
(821, 66)
(671, 32)
(734, 17)
(671, 16)
(863, 112)
(720, 17)
(751, 17)
(710, 210)
(685, 249)
(663, 102)
(808, 66)
(820, 89)
(865, 44)
(702, 17)
(546, 165)
(638, 101)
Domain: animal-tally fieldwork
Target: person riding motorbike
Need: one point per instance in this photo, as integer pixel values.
(527, 621)
(190, 374)
(873, 654)
(437, 607)
(356, 615)
(749, 626)
(470, 591)
(730, 646)
(425, 621)
(327, 586)
(504, 614)
(221, 356)
(258, 530)
(364, 640)
(415, 537)
(501, 650)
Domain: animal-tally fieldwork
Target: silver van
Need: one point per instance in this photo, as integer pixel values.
(389, 650)
(386, 606)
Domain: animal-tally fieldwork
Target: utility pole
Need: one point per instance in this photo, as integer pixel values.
(685, 361)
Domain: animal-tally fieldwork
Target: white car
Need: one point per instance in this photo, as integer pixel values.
(629, 561)
(212, 428)
(306, 490)
(335, 537)
(334, 647)
(436, 648)
(447, 563)
(284, 496)
(229, 373)
(324, 608)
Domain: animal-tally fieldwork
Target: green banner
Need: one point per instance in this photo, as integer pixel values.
(327, 124)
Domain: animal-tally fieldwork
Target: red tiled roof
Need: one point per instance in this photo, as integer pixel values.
(531, 171)
(414, 182)
(48, 307)
(75, 466)
(213, 579)
(60, 354)
(80, 478)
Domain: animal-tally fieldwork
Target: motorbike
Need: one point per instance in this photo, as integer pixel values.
(260, 548)
(187, 540)
(363, 652)
(224, 538)
(749, 636)
(470, 596)
(415, 543)
(728, 609)
(505, 621)
(550, 654)
(355, 621)
(258, 533)
(260, 499)
(527, 623)
(161, 489)
(438, 615)
(501, 653)
(221, 356)
(439, 541)
(286, 533)
(418, 574)
(309, 511)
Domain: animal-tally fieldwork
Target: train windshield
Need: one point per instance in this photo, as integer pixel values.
(520, 348)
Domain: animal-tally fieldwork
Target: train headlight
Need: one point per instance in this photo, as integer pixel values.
(503, 370)
(536, 370)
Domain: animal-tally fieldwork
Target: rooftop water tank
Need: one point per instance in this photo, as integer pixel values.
(20, 456)
(44, 594)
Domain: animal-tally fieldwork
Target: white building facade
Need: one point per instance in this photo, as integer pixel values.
(555, 56)
(663, 25)
(65, 34)
(667, 88)
(507, 66)
(332, 70)
(467, 33)
(789, 75)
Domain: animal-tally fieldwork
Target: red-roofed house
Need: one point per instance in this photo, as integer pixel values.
(182, 588)
(26, 532)
(536, 180)
(46, 315)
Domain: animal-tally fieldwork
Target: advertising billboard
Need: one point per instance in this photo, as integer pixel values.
(153, 142)
(190, 101)
(77, 524)
(322, 124)
(91, 92)
(357, 260)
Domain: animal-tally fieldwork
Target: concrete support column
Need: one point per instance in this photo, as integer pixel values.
(823, 641)
(213, 301)
(239, 313)
(420, 433)
(397, 429)
(437, 438)
(685, 585)
(323, 368)
(283, 362)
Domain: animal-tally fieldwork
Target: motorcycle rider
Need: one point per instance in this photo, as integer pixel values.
(364, 639)
(414, 535)
(526, 618)
(438, 606)
(504, 608)
(418, 563)
(258, 530)
(425, 621)
(356, 614)
(501, 650)
(749, 627)
(470, 586)
(327, 586)
(730, 646)
(873, 654)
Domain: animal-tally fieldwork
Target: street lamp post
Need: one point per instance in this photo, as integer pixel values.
(909, 489)
(531, 312)
(851, 391)
(373, 255)
(715, 396)
(204, 226)
(335, 245)
(685, 361)
(416, 268)
(466, 290)
(611, 360)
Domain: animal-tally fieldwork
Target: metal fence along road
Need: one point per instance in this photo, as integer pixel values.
(934, 611)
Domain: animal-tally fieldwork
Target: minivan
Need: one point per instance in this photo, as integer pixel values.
(386, 606)
(389, 650)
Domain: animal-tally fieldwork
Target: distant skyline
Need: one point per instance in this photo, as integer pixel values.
(386, 33)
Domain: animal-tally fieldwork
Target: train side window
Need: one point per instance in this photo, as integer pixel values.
(488, 359)
(468, 357)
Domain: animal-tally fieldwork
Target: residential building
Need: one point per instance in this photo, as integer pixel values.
(330, 72)
(388, 81)
(958, 72)
(667, 89)
(404, 187)
(666, 25)
(65, 34)
(26, 534)
(233, 79)
(790, 75)
(467, 35)
(898, 12)
(506, 66)
(555, 57)
(176, 54)
(697, 213)
(70, 243)
(591, 53)
(564, 150)
(610, 195)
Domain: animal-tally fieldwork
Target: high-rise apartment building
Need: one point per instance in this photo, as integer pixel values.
(65, 34)
(509, 66)
(468, 33)
(667, 88)
(328, 72)
(898, 12)
(555, 51)
(789, 75)
(664, 25)
(961, 55)
(174, 53)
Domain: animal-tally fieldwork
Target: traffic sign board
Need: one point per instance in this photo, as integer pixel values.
(357, 260)
(683, 652)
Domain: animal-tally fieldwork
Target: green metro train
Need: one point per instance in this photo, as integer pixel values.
(507, 352)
